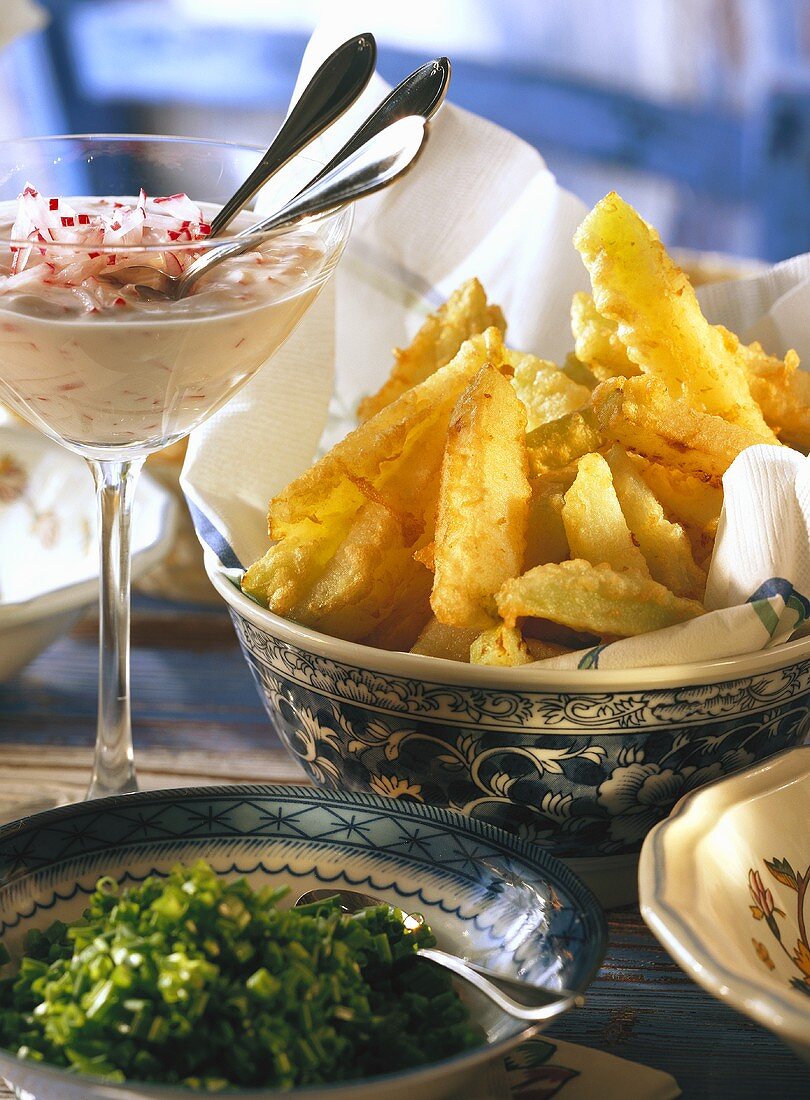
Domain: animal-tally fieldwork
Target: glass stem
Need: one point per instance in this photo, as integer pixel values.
(114, 767)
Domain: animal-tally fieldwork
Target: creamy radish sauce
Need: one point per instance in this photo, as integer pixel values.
(92, 363)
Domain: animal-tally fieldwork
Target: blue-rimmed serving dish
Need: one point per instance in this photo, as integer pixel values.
(487, 895)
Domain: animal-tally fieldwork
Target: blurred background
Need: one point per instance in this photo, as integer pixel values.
(698, 111)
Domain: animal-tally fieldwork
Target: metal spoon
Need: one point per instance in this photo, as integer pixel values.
(375, 165)
(553, 1002)
(333, 89)
(422, 93)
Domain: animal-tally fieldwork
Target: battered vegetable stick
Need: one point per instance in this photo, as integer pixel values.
(278, 579)
(665, 546)
(546, 539)
(594, 598)
(371, 574)
(560, 442)
(439, 640)
(638, 286)
(781, 390)
(502, 646)
(393, 459)
(595, 525)
(694, 503)
(506, 647)
(597, 342)
(639, 414)
(578, 371)
(408, 614)
(483, 503)
(544, 389)
(465, 314)
(377, 455)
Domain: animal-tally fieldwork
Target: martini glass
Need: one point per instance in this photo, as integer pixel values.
(114, 378)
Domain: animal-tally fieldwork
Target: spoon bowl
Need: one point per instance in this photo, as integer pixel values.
(535, 1002)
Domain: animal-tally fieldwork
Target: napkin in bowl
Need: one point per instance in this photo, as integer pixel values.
(483, 203)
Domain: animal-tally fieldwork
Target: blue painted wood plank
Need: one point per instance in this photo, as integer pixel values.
(782, 157)
(701, 148)
(644, 1008)
(191, 687)
(157, 62)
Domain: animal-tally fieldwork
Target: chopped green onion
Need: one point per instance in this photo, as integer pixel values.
(192, 980)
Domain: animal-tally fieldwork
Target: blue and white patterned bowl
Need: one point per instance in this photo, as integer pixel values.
(582, 762)
(486, 894)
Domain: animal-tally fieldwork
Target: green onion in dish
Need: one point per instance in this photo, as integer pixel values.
(193, 980)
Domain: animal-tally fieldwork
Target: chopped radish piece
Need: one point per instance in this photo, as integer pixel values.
(43, 221)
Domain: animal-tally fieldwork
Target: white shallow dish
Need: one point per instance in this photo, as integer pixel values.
(48, 554)
(723, 884)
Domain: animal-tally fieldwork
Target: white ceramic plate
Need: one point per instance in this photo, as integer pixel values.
(724, 884)
(48, 553)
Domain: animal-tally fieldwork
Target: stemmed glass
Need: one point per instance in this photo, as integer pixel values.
(114, 378)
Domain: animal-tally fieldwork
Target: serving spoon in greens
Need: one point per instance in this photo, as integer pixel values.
(536, 1003)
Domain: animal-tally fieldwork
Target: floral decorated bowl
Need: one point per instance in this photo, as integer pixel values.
(48, 551)
(486, 894)
(724, 884)
(581, 763)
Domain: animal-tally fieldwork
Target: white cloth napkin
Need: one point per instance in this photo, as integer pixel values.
(483, 203)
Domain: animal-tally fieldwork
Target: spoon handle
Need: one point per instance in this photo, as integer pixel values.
(332, 90)
(420, 93)
(379, 162)
(493, 988)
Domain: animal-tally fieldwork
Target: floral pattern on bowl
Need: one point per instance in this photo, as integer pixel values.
(735, 921)
(582, 770)
(765, 909)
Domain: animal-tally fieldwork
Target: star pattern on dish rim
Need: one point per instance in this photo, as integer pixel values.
(418, 839)
(141, 821)
(467, 860)
(210, 819)
(76, 837)
(354, 822)
(280, 820)
(22, 858)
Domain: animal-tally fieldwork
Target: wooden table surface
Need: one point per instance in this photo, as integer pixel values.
(198, 718)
